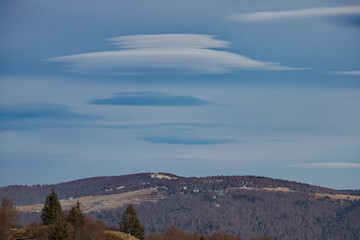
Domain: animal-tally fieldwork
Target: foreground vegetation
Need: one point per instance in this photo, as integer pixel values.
(74, 225)
(175, 233)
(57, 225)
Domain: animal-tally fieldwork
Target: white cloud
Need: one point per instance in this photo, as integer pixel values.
(347, 73)
(326, 165)
(293, 14)
(186, 53)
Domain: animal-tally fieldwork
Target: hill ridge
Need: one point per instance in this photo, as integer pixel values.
(100, 185)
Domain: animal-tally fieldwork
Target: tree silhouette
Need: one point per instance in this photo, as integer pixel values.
(130, 223)
(51, 211)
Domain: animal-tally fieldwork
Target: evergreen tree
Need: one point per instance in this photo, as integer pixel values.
(76, 216)
(60, 230)
(130, 223)
(51, 211)
(77, 219)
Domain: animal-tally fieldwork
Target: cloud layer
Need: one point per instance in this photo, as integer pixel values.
(30, 116)
(295, 14)
(165, 53)
(327, 165)
(17, 112)
(150, 99)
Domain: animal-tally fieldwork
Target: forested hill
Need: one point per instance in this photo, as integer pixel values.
(244, 206)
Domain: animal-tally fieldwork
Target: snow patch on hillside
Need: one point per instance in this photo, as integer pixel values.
(161, 176)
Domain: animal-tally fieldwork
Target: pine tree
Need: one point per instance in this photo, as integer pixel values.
(130, 223)
(51, 211)
(60, 230)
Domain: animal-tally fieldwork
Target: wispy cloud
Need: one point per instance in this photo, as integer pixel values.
(165, 53)
(157, 126)
(184, 134)
(150, 99)
(185, 140)
(295, 14)
(187, 158)
(346, 73)
(326, 165)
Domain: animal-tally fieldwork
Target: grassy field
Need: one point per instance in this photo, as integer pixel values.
(102, 202)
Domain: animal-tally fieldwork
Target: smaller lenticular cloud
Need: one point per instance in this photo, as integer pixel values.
(150, 99)
(326, 165)
(295, 14)
(346, 73)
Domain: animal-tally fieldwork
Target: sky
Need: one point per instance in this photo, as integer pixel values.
(194, 88)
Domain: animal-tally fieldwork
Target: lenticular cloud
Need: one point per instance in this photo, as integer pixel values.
(165, 53)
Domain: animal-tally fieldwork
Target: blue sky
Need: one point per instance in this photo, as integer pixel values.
(194, 88)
